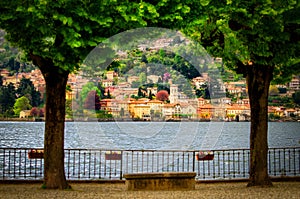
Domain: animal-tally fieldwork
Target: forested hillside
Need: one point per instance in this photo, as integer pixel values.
(11, 58)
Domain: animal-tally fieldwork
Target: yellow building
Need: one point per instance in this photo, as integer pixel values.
(140, 110)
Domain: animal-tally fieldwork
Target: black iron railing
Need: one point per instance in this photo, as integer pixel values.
(94, 164)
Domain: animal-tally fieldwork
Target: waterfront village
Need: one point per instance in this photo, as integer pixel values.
(122, 106)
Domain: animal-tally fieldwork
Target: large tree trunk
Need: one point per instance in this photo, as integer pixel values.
(258, 81)
(56, 81)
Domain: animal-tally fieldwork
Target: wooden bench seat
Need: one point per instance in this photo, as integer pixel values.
(160, 181)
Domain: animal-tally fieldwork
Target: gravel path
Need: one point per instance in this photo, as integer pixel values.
(110, 191)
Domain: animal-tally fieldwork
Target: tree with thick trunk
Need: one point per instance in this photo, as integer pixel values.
(260, 41)
(54, 172)
(58, 35)
(258, 81)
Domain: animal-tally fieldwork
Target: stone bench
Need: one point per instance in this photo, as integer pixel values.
(160, 181)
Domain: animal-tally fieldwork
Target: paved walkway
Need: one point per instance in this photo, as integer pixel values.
(280, 190)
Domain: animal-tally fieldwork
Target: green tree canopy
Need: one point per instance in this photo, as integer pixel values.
(21, 104)
(58, 35)
(259, 39)
(26, 88)
(90, 86)
(7, 99)
(92, 101)
(296, 97)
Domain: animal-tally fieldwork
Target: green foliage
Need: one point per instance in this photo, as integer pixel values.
(66, 31)
(181, 115)
(92, 101)
(26, 88)
(58, 35)
(7, 99)
(7, 52)
(90, 86)
(280, 101)
(273, 90)
(11, 58)
(21, 104)
(69, 111)
(273, 116)
(266, 34)
(8, 95)
(203, 92)
(101, 114)
(296, 97)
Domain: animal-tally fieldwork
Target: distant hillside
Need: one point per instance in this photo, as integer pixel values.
(9, 57)
(6, 51)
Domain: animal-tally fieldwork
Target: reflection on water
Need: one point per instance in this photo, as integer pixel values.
(149, 135)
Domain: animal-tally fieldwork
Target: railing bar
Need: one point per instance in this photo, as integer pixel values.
(269, 161)
(14, 163)
(157, 162)
(162, 159)
(190, 162)
(104, 172)
(79, 160)
(17, 165)
(274, 159)
(90, 160)
(182, 160)
(132, 154)
(121, 166)
(168, 162)
(68, 163)
(233, 163)
(25, 164)
(294, 161)
(214, 167)
(178, 162)
(100, 163)
(35, 170)
(223, 164)
(3, 161)
(203, 167)
(20, 161)
(284, 163)
(74, 161)
(42, 168)
(219, 169)
(238, 163)
(110, 167)
(289, 161)
(173, 161)
(229, 162)
(95, 163)
(298, 160)
(279, 162)
(84, 164)
(137, 162)
(127, 160)
(30, 166)
(9, 157)
(142, 161)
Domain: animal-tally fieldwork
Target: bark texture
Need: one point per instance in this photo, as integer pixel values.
(56, 81)
(258, 81)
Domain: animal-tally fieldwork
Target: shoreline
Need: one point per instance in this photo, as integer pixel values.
(126, 120)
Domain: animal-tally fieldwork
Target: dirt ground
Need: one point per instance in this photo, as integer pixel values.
(280, 190)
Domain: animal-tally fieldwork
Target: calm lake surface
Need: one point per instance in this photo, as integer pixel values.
(149, 135)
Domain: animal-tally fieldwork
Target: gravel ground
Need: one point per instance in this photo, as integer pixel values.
(210, 190)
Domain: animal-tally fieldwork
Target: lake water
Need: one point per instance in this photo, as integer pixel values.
(149, 135)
